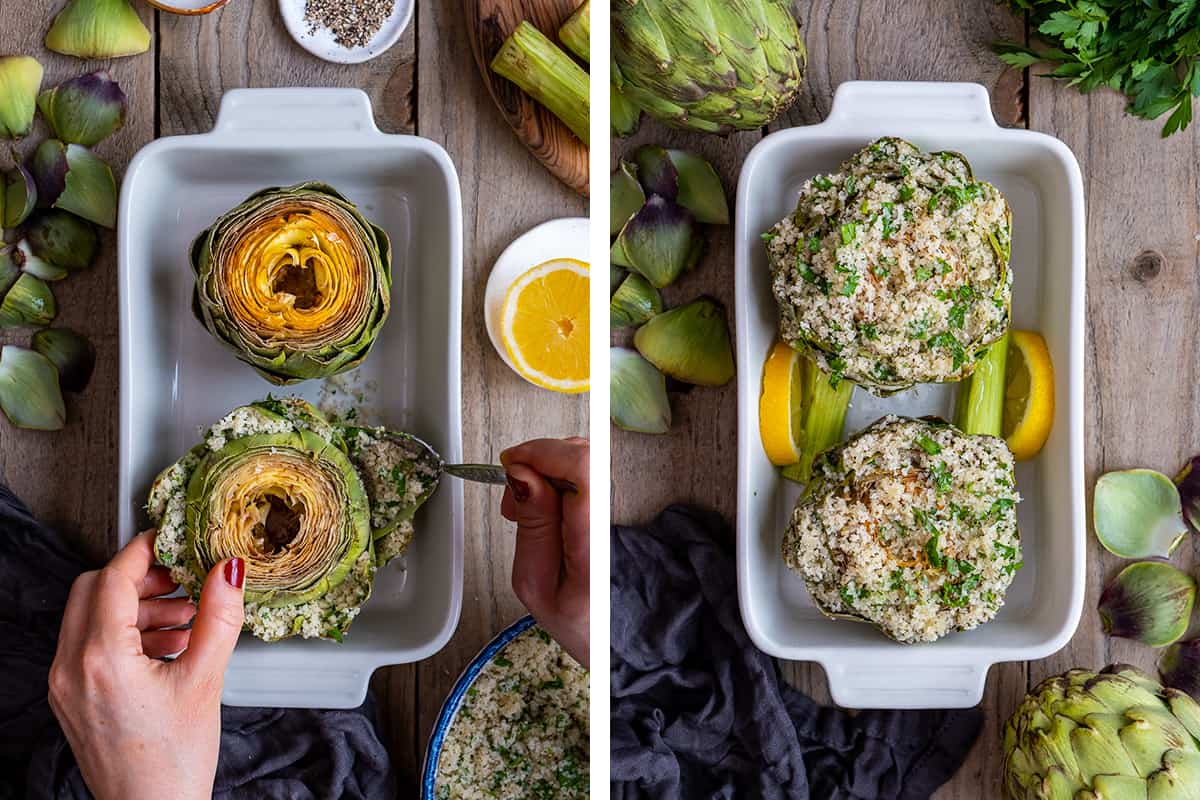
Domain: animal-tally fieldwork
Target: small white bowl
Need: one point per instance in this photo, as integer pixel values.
(558, 238)
(320, 42)
(189, 8)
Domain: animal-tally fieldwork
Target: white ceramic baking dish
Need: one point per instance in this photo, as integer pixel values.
(1041, 179)
(176, 379)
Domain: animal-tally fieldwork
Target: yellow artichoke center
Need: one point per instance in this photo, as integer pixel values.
(300, 275)
(284, 515)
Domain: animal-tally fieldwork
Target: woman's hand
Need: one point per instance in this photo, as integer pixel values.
(140, 727)
(550, 567)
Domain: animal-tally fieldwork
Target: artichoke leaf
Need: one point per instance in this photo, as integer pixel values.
(29, 393)
(84, 110)
(20, 78)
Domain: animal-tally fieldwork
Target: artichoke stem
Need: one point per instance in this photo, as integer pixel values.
(824, 414)
(576, 32)
(547, 74)
(980, 404)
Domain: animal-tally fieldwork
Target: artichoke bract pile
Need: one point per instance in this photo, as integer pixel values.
(894, 271)
(295, 281)
(910, 525)
(313, 507)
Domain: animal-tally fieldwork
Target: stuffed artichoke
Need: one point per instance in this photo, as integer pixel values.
(910, 525)
(311, 506)
(294, 280)
(894, 271)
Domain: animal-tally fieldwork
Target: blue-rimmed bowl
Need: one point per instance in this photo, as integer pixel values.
(454, 702)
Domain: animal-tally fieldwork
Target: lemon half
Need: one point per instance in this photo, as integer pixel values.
(545, 325)
(1028, 394)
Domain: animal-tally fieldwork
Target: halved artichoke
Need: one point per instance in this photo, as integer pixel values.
(312, 507)
(295, 280)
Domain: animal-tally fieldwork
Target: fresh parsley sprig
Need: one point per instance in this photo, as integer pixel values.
(1147, 49)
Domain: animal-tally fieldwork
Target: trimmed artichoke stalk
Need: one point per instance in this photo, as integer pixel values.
(27, 303)
(295, 280)
(690, 343)
(716, 68)
(1150, 602)
(638, 400)
(20, 197)
(548, 75)
(72, 178)
(657, 242)
(308, 504)
(634, 303)
(684, 178)
(1179, 667)
(1188, 483)
(824, 403)
(1137, 514)
(576, 32)
(1116, 734)
(71, 354)
(84, 110)
(980, 402)
(98, 29)
(625, 198)
(29, 392)
(20, 79)
(56, 244)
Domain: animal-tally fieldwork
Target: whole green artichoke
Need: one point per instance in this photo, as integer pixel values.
(709, 65)
(1113, 735)
(312, 507)
(295, 280)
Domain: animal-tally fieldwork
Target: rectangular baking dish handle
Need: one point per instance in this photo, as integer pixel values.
(859, 103)
(293, 686)
(881, 685)
(295, 110)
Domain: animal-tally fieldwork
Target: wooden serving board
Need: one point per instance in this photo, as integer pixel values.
(550, 141)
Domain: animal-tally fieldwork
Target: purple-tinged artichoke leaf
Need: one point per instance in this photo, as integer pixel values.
(57, 243)
(1150, 602)
(1188, 483)
(656, 171)
(73, 178)
(657, 242)
(1179, 667)
(29, 393)
(71, 354)
(626, 197)
(20, 197)
(84, 110)
(20, 79)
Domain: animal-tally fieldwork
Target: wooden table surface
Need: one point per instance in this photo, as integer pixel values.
(1142, 297)
(427, 84)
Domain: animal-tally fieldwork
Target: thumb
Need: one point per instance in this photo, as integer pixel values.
(219, 620)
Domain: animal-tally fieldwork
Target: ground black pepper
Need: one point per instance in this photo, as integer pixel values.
(353, 23)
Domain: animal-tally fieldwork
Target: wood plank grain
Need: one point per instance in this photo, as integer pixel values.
(69, 477)
(505, 192)
(489, 23)
(1142, 296)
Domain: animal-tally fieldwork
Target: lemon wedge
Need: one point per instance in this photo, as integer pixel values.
(1028, 394)
(545, 327)
(780, 407)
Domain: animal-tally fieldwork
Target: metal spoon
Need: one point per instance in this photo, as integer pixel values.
(493, 474)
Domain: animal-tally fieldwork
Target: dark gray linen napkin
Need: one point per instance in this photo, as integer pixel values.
(266, 753)
(698, 712)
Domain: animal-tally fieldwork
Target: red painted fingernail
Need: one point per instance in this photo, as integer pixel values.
(520, 489)
(235, 572)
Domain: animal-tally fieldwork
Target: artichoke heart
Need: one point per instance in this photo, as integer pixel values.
(295, 280)
(280, 486)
